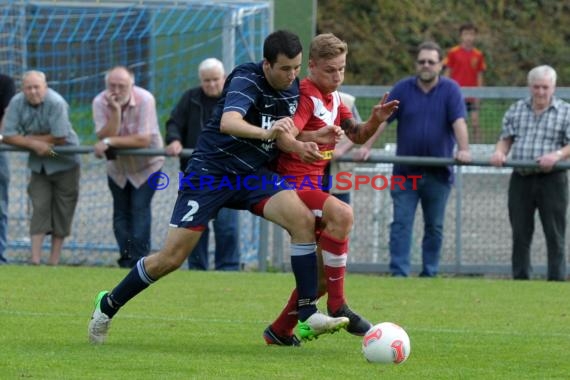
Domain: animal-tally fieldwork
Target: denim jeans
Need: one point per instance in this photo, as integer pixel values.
(227, 253)
(131, 221)
(4, 185)
(432, 192)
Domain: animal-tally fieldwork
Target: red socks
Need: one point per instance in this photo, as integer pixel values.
(334, 253)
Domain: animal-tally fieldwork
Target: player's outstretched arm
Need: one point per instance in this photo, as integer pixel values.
(359, 133)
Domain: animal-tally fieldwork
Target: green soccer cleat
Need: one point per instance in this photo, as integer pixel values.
(99, 323)
(318, 324)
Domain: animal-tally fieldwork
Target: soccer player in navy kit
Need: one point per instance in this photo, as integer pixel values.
(255, 109)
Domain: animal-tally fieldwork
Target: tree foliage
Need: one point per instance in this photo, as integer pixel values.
(515, 35)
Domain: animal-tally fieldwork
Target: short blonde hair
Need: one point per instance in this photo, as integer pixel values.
(327, 46)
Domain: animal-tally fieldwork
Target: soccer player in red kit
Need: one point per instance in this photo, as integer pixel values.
(465, 64)
(318, 117)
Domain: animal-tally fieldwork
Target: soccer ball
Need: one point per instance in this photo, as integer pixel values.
(386, 343)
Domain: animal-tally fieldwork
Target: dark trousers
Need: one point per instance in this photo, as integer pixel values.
(4, 186)
(131, 221)
(547, 192)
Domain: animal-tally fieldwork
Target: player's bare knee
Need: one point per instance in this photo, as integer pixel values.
(338, 217)
(170, 259)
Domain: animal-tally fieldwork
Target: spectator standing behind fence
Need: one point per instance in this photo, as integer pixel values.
(37, 119)
(7, 91)
(466, 64)
(186, 121)
(538, 129)
(125, 117)
(431, 120)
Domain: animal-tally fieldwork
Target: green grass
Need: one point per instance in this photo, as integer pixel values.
(193, 325)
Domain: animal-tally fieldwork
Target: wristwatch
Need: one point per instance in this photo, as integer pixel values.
(107, 141)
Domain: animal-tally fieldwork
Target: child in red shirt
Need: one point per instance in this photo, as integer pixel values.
(465, 64)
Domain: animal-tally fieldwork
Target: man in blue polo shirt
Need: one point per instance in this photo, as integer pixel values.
(431, 120)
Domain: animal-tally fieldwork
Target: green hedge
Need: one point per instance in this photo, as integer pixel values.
(514, 35)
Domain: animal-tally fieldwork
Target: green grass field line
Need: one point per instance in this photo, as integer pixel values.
(193, 325)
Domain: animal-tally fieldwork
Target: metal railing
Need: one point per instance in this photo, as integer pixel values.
(477, 230)
(369, 253)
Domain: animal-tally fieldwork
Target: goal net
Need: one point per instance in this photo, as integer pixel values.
(74, 43)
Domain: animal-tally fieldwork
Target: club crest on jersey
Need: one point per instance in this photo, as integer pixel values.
(293, 107)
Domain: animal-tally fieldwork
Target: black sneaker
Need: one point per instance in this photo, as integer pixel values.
(357, 325)
(272, 338)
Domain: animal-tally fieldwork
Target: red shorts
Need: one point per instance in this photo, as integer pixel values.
(315, 201)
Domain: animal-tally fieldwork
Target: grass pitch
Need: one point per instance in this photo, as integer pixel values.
(193, 325)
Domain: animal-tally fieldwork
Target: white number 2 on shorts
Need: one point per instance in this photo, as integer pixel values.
(189, 216)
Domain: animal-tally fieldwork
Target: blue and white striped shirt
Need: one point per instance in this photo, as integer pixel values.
(246, 91)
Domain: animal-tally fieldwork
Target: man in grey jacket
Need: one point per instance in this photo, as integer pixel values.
(186, 121)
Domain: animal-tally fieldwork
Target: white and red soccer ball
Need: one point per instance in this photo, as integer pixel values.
(386, 343)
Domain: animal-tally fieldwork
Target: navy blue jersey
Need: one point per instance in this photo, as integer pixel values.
(245, 91)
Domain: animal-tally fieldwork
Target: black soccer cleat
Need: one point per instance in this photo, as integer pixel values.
(356, 325)
(273, 339)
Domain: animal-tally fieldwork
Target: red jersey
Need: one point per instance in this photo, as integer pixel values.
(465, 65)
(314, 111)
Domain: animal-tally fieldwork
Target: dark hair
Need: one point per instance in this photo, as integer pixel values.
(468, 26)
(430, 45)
(281, 42)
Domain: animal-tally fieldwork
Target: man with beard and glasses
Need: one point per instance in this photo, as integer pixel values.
(431, 121)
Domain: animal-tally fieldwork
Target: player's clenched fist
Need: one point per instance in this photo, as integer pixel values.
(284, 125)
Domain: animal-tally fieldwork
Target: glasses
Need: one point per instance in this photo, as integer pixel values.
(422, 62)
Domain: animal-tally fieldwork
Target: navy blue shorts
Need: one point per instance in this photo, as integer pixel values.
(203, 192)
